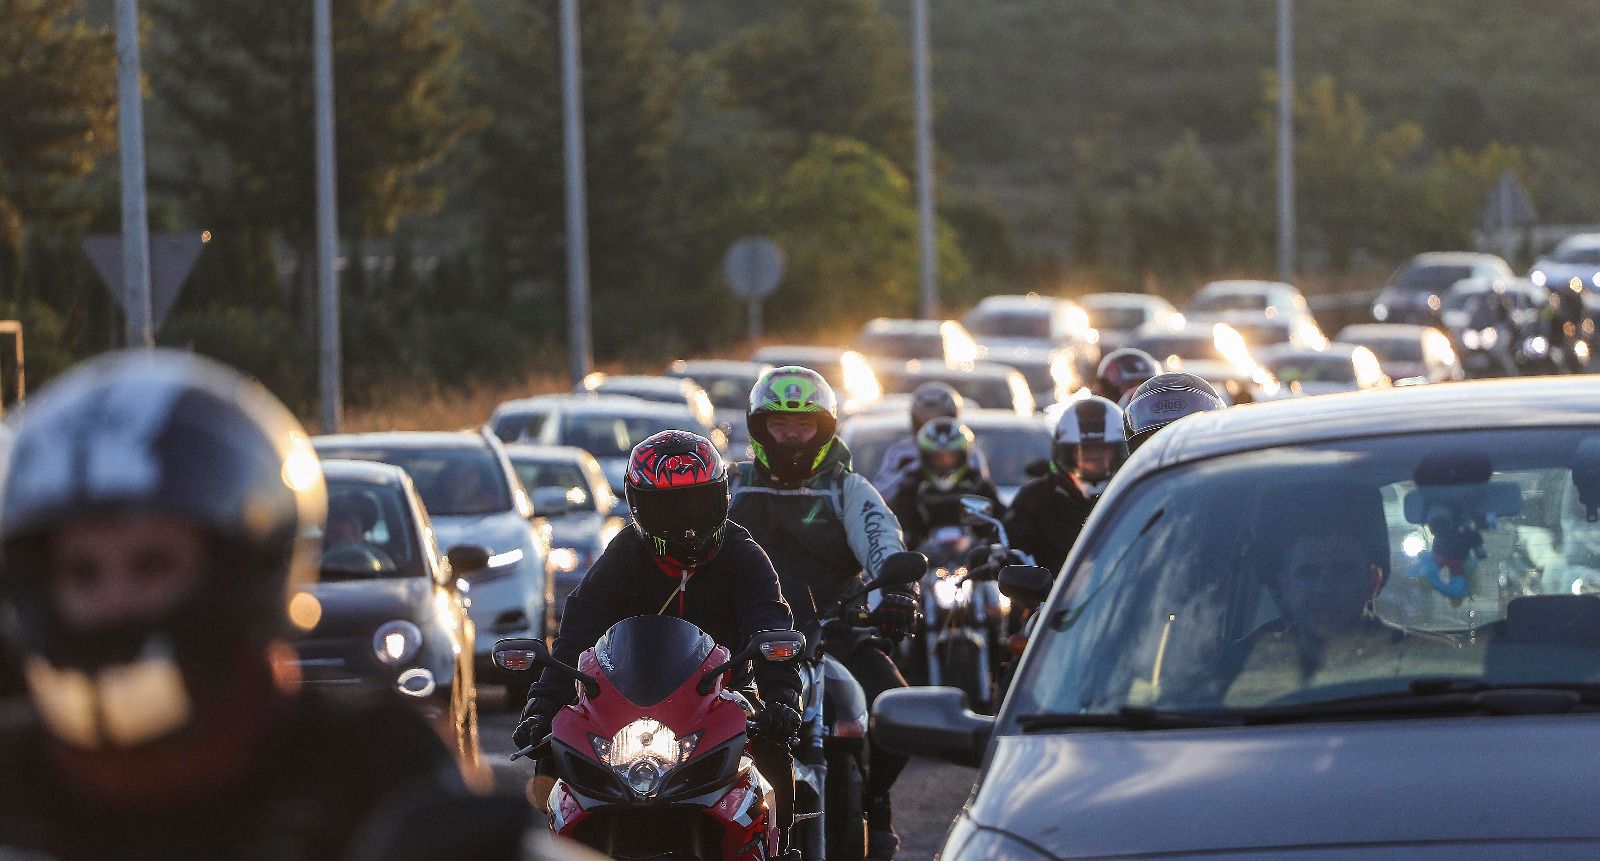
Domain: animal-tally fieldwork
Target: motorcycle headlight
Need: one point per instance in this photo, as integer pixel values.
(1488, 337)
(563, 560)
(944, 593)
(644, 753)
(1380, 312)
(396, 642)
(1470, 339)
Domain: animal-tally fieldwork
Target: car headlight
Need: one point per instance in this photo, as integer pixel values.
(644, 753)
(563, 560)
(396, 642)
(1538, 278)
(1488, 337)
(1380, 312)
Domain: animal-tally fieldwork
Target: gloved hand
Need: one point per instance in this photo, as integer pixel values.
(535, 723)
(779, 720)
(895, 615)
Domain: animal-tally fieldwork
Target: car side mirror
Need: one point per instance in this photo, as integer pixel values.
(900, 569)
(933, 722)
(1028, 585)
(468, 558)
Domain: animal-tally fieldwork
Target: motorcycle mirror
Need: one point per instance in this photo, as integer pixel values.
(467, 558)
(976, 510)
(1028, 585)
(900, 569)
(519, 653)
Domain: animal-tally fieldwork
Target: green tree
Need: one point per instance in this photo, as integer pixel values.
(57, 116)
(831, 67)
(1177, 218)
(844, 215)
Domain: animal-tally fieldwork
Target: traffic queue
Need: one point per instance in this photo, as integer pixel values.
(730, 602)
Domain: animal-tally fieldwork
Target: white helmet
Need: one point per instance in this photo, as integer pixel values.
(1089, 445)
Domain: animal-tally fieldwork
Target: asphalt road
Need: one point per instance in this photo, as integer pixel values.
(927, 797)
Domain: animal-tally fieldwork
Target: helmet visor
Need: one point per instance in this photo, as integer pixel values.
(681, 513)
(1098, 461)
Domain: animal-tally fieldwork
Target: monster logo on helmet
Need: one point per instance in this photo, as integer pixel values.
(791, 390)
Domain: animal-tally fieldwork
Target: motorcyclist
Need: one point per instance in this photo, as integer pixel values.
(823, 525)
(1087, 449)
(1163, 400)
(901, 462)
(1123, 370)
(945, 474)
(159, 512)
(1563, 317)
(685, 558)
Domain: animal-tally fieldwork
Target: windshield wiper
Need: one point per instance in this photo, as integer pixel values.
(1438, 696)
(1128, 717)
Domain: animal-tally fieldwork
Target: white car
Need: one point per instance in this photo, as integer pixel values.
(1014, 447)
(1409, 354)
(606, 427)
(1266, 298)
(473, 496)
(1339, 368)
(1577, 256)
(1116, 316)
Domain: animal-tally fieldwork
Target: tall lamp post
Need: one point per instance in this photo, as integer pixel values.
(1285, 143)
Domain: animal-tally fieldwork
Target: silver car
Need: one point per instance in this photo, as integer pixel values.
(473, 497)
(1343, 627)
(570, 493)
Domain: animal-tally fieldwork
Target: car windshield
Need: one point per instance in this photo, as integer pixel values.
(1312, 368)
(1216, 302)
(453, 481)
(615, 436)
(902, 345)
(1261, 334)
(1395, 349)
(1115, 319)
(1010, 324)
(510, 427)
(1429, 278)
(728, 392)
(1009, 451)
(562, 475)
(368, 533)
(1195, 347)
(642, 391)
(985, 391)
(1311, 573)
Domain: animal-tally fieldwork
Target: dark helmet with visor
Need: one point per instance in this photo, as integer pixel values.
(677, 487)
(932, 400)
(944, 446)
(1122, 371)
(1089, 445)
(167, 435)
(1163, 400)
(792, 391)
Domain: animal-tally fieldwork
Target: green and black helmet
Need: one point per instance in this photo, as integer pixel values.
(794, 391)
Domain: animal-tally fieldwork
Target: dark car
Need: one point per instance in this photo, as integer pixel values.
(1287, 628)
(570, 492)
(1416, 291)
(388, 616)
(473, 498)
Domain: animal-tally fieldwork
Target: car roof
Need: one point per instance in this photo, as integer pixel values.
(901, 325)
(806, 352)
(690, 367)
(1579, 240)
(917, 368)
(1244, 285)
(1020, 302)
(403, 439)
(977, 419)
(582, 402)
(530, 451)
(1120, 300)
(1456, 258)
(1524, 402)
(364, 471)
(1383, 331)
(643, 381)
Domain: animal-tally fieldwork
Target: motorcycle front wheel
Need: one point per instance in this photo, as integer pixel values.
(845, 822)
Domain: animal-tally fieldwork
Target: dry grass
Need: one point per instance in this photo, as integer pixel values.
(440, 407)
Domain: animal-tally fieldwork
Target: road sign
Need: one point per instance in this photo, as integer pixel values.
(172, 256)
(1508, 205)
(753, 267)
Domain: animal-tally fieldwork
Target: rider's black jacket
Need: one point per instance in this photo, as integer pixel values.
(731, 597)
(922, 506)
(1045, 519)
(321, 774)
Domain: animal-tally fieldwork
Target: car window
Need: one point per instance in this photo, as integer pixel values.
(1010, 324)
(1188, 347)
(1394, 349)
(453, 481)
(511, 427)
(1306, 368)
(1230, 302)
(368, 533)
(566, 475)
(1009, 451)
(727, 392)
(1115, 319)
(615, 436)
(1303, 574)
(901, 345)
(869, 444)
(1430, 279)
(1590, 256)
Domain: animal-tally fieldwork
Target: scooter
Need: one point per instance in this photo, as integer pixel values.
(655, 758)
(831, 762)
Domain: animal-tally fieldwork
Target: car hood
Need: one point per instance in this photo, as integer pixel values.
(500, 531)
(580, 529)
(1380, 785)
(355, 608)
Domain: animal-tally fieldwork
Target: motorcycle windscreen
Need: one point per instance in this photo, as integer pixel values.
(648, 657)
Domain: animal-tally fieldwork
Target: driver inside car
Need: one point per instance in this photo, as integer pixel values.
(350, 518)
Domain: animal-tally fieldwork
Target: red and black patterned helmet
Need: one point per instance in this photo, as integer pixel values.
(677, 486)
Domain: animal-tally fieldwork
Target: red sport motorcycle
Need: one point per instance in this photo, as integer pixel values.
(654, 760)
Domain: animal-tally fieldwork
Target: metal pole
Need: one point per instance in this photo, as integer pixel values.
(581, 357)
(925, 223)
(135, 224)
(755, 320)
(1285, 144)
(332, 398)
